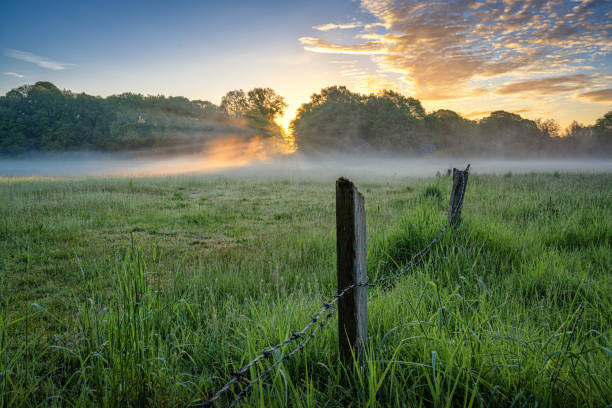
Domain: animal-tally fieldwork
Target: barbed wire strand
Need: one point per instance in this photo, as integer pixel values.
(389, 279)
(392, 278)
(269, 352)
(282, 360)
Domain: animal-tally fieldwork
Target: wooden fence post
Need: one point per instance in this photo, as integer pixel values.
(455, 196)
(351, 252)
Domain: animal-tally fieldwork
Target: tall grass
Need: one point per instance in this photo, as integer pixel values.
(135, 296)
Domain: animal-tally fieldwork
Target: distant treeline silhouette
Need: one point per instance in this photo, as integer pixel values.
(41, 117)
(337, 119)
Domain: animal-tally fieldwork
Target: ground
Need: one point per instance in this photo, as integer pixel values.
(152, 291)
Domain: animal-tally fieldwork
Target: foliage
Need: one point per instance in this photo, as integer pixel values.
(264, 105)
(508, 133)
(450, 130)
(337, 119)
(548, 127)
(234, 104)
(264, 102)
(603, 131)
(260, 106)
(42, 117)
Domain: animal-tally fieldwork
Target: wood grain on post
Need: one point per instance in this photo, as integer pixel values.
(351, 252)
(455, 198)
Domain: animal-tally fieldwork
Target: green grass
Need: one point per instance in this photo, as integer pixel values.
(152, 291)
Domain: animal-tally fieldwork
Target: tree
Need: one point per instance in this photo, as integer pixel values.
(391, 121)
(603, 125)
(602, 132)
(234, 104)
(548, 127)
(45, 85)
(265, 103)
(42, 117)
(329, 122)
(338, 119)
(451, 132)
(506, 133)
(573, 129)
(207, 108)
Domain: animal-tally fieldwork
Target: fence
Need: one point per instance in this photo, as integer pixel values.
(351, 299)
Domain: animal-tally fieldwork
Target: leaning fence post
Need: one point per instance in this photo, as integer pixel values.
(460, 178)
(351, 252)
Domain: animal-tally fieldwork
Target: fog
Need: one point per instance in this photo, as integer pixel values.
(254, 157)
(375, 166)
(203, 157)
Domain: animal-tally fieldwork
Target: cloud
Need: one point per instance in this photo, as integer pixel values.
(374, 84)
(602, 95)
(42, 62)
(547, 86)
(449, 50)
(352, 72)
(13, 74)
(374, 26)
(319, 45)
(332, 26)
(477, 114)
(343, 62)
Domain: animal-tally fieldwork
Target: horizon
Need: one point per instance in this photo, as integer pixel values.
(544, 60)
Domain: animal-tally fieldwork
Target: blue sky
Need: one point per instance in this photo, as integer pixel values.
(535, 57)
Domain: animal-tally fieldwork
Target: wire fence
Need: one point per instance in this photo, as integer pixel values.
(331, 307)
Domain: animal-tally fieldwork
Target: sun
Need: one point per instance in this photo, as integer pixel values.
(283, 122)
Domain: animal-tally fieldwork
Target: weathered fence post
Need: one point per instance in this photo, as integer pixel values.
(456, 199)
(351, 251)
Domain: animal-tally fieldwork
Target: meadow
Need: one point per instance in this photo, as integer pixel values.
(153, 291)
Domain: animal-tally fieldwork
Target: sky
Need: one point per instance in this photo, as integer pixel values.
(537, 58)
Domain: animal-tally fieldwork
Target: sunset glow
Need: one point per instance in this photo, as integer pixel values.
(218, 154)
(549, 59)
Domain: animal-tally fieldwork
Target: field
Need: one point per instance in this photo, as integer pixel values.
(153, 291)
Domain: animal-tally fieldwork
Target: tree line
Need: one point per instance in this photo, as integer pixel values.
(337, 119)
(41, 117)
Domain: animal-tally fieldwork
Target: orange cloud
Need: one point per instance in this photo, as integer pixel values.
(479, 114)
(319, 45)
(447, 50)
(547, 86)
(332, 26)
(375, 84)
(602, 95)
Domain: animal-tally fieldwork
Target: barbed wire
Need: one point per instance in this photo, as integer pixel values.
(389, 279)
(392, 278)
(282, 360)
